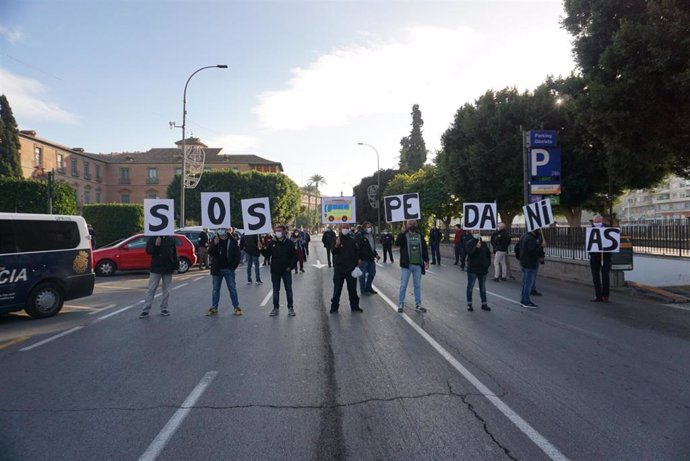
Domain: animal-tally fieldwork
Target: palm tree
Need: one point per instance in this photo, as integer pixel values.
(315, 181)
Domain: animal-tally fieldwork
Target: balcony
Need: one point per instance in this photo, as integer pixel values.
(75, 173)
(151, 180)
(125, 181)
(99, 178)
(87, 176)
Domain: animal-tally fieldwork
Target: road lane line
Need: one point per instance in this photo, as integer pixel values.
(198, 278)
(14, 341)
(109, 306)
(169, 430)
(539, 440)
(52, 338)
(118, 311)
(180, 286)
(265, 301)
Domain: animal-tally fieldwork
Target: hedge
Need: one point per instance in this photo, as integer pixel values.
(19, 195)
(114, 221)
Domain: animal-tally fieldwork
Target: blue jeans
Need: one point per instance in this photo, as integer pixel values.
(416, 271)
(471, 277)
(528, 278)
(253, 260)
(367, 278)
(286, 277)
(229, 276)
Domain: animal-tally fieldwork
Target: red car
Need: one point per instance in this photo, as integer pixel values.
(130, 254)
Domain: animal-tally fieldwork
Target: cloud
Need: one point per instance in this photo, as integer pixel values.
(26, 99)
(233, 143)
(438, 68)
(12, 35)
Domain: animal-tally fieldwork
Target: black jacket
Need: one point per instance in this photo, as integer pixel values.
(435, 236)
(224, 255)
(250, 244)
(202, 241)
(529, 250)
(164, 257)
(387, 240)
(283, 255)
(500, 240)
(401, 241)
(478, 259)
(368, 253)
(328, 238)
(348, 254)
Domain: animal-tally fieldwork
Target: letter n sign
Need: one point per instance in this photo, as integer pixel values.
(159, 216)
(215, 210)
(256, 214)
(538, 215)
(479, 216)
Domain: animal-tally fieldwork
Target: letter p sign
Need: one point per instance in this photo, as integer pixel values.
(538, 157)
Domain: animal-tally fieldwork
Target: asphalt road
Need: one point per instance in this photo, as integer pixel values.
(569, 380)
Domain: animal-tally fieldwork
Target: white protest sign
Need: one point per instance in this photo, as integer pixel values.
(256, 214)
(479, 216)
(215, 210)
(538, 215)
(402, 207)
(159, 216)
(603, 239)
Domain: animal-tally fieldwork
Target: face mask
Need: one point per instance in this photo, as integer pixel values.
(477, 236)
(346, 231)
(369, 230)
(598, 224)
(413, 228)
(279, 234)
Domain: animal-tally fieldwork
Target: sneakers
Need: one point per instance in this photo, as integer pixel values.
(274, 312)
(373, 292)
(238, 311)
(496, 279)
(529, 305)
(165, 312)
(400, 308)
(291, 312)
(419, 308)
(249, 282)
(470, 308)
(212, 311)
(357, 309)
(485, 307)
(503, 279)
(535, 293)
(144, 315)
(259, 282)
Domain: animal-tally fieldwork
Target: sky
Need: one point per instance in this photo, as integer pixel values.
(306, 80)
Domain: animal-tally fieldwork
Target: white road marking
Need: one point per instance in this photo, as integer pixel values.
(678, 306)
(118, 311)
(268, 296)
(109, 306)
(52, 338)
(180, 286)
(171, 427)
(379, 264)
(79, 308)
(538, 439)
(198, 278)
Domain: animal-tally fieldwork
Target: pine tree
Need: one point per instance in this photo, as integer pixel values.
(413, 151)
(10, 162)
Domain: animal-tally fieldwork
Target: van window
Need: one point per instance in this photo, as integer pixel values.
(7, 242)
(46, 235)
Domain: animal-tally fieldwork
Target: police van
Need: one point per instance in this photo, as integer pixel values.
(45, 260)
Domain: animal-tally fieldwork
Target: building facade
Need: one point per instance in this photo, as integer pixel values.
(123, 177)
(669, 200)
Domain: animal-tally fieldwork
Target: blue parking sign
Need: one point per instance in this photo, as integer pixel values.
(545, 170)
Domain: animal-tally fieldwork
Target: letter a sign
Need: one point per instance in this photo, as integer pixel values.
(538, 215)
(603, 239)
(256, 214)
(479, 216)
(159, 216)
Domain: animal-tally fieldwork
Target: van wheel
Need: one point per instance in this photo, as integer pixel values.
(44, 301)
(183, 266)
(105, 268)
(344, 218)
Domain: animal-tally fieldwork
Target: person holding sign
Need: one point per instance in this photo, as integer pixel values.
(283, 261)
(600, 263)
(347, 257)
(164, 262)
(478, 262)
(414, 260)
(225, 257)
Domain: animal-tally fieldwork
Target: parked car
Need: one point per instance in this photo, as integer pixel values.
(130, 254)
(192, 233)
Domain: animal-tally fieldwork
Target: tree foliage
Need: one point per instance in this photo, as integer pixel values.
(284, 195)
(634, 56)
(365, 212)
(413, 150)
(10, 161)
(114, 221)
(18, 195)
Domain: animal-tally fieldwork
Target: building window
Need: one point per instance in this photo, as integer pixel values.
(98, 197)
(178, 171)
(98, 172)
(152, 177)
(38, 156)
(73, 162)
(60, 163)
(124, 198)
(87, 196)
(124, 178)
(87, 170)
(151, 195)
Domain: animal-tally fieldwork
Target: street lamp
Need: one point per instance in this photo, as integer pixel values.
(378, 183)
(184, 123)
